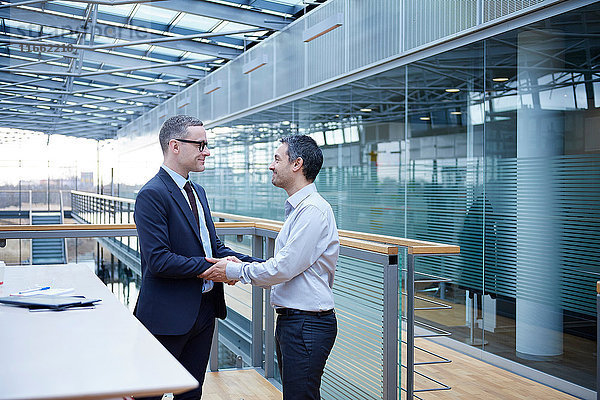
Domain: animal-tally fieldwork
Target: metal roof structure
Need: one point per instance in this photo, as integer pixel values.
(86, 68)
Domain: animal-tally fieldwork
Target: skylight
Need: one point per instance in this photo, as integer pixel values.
(197, 22)
(148, 13)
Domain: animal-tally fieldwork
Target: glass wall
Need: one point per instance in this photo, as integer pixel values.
(495, 147)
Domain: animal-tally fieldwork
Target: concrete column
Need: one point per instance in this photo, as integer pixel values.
(540, 140)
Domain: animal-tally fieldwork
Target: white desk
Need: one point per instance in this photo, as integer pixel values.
(79, 354)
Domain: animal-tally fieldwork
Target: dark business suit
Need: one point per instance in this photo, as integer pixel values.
(171, 303)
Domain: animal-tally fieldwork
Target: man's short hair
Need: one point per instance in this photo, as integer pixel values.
(176, 128)
(306, 148)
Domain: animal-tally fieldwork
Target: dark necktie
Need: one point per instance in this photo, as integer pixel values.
(188, 190)
(204, 235)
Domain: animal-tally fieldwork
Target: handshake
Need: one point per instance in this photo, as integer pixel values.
(217, 273)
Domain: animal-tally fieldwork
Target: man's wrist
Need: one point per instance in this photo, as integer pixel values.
(233, 270)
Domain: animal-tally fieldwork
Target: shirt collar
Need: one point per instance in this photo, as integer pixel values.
(297, 198)
(179, 180)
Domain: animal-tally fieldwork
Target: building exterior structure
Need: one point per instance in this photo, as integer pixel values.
(473, 123)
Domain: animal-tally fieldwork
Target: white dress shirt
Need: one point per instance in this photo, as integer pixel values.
(306, 252)
(204, 235)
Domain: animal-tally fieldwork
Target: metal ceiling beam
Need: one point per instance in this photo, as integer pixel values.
(60, 127)
(122, 20)
(173, 70)
(228, 13)
(127, 63)
(92, 115)
(99, 76)
(73, 24)
(31, 42)
(26, 64)
(168, 39)
(56, 87)
(270, 5)
(64, 122)
(167, 87)
(146, 100)
(71, 117)
(16, 56)
(139, 100)
(152, 66)
(96, 134)
(60, 124)
(104, 79)
(81, 111)
(12, 100)
(103, 2)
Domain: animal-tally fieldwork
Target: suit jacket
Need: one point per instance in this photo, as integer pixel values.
(172, 256)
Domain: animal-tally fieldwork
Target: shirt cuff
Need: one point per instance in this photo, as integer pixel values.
(233, 270)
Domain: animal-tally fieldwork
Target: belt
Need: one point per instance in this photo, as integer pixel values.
(293, 311)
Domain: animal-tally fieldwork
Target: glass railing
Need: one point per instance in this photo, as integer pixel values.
(365, 361)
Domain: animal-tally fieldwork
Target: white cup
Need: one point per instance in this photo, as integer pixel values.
(2, 268)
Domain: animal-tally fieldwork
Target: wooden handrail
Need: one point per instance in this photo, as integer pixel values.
(347, 237)
(64, 227)
(356, 243)
(244, 218)
(272, 226)
(370, 246)
(414, 246)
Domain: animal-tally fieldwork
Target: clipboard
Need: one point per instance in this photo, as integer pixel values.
(48, 302)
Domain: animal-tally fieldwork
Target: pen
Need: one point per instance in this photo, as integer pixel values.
(34, 290)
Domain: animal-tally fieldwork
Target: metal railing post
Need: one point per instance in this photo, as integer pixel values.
(269, 322)
(129, 221)
(31, 223)
(257, 315)
(391, 314)
(410, 327)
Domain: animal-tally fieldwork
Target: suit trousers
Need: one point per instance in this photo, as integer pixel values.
(303, 343)
(192, 350)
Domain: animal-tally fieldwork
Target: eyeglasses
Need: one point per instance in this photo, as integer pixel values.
(200, 143)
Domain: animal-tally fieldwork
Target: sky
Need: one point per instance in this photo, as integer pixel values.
(30, 156)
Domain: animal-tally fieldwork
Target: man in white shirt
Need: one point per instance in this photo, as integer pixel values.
(301, 272)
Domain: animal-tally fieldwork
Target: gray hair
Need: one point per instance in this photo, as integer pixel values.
(176, 128)
(305, 147)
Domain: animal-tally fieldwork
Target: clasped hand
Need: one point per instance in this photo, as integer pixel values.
(217, 273)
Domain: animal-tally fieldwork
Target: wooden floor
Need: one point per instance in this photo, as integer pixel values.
(246, 384)
(468, 377)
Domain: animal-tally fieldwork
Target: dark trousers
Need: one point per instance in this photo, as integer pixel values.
(303, 343)
(192, 350)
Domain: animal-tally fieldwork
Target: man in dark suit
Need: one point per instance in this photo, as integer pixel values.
(176, 233)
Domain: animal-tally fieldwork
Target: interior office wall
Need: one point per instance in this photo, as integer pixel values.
(371, 32)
